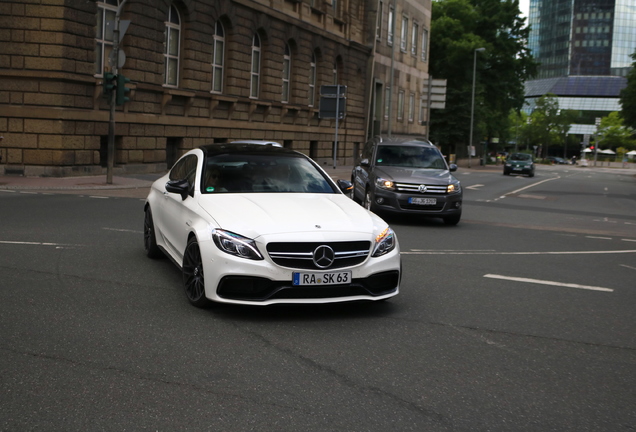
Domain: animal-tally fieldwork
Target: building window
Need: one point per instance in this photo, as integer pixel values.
(400, 107)
(218, 49)
(387, 102)
(405, 32)
(312, 80)
(424, 44)
(172, 47)
(106, 11)
(411, 107)
(256, 66)
(335, 73)
(389, 30)
(414, 37)
(286, 73)
(378, 22)
(422, 111)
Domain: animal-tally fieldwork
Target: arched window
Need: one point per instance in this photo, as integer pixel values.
(286, 73)
(256, 66)
(218, 57)
(106, 11)
(312, 80)
(173, 46)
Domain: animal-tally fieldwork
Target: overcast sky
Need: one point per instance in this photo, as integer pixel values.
(524, 6)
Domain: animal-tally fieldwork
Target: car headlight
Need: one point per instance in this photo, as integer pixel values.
(384, 243)
(236, 245)
(453, 188)
(508, 164)
(384, 183)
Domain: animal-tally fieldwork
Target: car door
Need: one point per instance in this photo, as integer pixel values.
(362, 170)
(178, 213)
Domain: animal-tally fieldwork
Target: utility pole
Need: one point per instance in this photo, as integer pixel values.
(113, 98)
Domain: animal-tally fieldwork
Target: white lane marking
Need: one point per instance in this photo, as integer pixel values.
(630, 240)
(598, 238)
(99, 197)
(532, 185)
(518, 253)
(123, 230)
(544, 282)
(9, 191)
(474, 187)
(33, 243)
(629, 267)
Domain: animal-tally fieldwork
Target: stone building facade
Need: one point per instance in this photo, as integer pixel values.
(201, 71)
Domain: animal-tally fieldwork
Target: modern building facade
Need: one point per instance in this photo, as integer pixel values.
(582, 37)
(584, 48)
(201, 71)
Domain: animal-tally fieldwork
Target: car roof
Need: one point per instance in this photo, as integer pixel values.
(404, 141)
(241, 147)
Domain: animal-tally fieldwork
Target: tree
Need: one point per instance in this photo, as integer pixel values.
(459, 27)
(613, 134)
(628, 97)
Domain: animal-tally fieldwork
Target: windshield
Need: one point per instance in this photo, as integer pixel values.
(521, 157)
(410, 156)
(254, 173)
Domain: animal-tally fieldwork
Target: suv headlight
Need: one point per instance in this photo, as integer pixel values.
(384, 183)
(453, 188)
(236, 245)
(384, 243)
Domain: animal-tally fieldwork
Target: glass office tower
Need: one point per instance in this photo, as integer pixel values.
(582, 37)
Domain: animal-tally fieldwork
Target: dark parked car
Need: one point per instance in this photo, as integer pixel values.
(557, 160)
(407, 176)
(519, 163)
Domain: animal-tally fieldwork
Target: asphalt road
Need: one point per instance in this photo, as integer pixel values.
(521, 318)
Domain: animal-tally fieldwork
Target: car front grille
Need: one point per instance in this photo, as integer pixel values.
(415, 188)
(300, 255)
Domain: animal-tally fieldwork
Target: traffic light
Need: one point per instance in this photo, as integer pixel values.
(122, 90)
(109, 84)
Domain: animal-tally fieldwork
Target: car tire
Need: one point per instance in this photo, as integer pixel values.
(150, 238)
(452, 220)
(193, 278)
(531, 174)
(367, 203)
(506, 172)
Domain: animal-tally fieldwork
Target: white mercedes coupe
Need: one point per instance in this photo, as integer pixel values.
(260, 224)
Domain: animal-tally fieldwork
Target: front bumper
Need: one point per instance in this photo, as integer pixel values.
(398, 202)
(229, 279)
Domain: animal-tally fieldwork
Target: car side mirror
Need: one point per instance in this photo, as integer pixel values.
(345, 185)
(364, 162)
(181, 187)
(452, 167)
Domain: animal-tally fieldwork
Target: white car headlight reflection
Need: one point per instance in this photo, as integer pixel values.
(236, 245)
(384, 243)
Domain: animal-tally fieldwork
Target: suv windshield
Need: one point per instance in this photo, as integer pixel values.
(410, 156)
(254, 172)
(521, 157)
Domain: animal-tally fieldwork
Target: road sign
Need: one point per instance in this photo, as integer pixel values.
(332, 99)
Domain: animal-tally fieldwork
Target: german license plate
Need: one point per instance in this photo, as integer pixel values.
(331, 278)
(422, 201)
(517, 169)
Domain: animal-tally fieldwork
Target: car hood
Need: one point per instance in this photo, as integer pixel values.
(415, 175)
(257, 214)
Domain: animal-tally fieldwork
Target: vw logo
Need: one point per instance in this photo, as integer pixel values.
(324, 256)
(422, 188)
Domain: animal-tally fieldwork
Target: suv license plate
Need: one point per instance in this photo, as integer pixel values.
(332, 278)
(422, 201)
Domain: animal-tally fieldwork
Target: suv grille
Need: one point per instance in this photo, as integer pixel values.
(300, 255)
(415, 188)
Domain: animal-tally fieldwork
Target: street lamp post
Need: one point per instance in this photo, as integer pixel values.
(472, 106)
(597, 123)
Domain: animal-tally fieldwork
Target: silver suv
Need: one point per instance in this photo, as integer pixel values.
(407, 176)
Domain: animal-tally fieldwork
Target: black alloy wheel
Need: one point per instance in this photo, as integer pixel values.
(193, 280)
(150, 239)
(368, 199)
